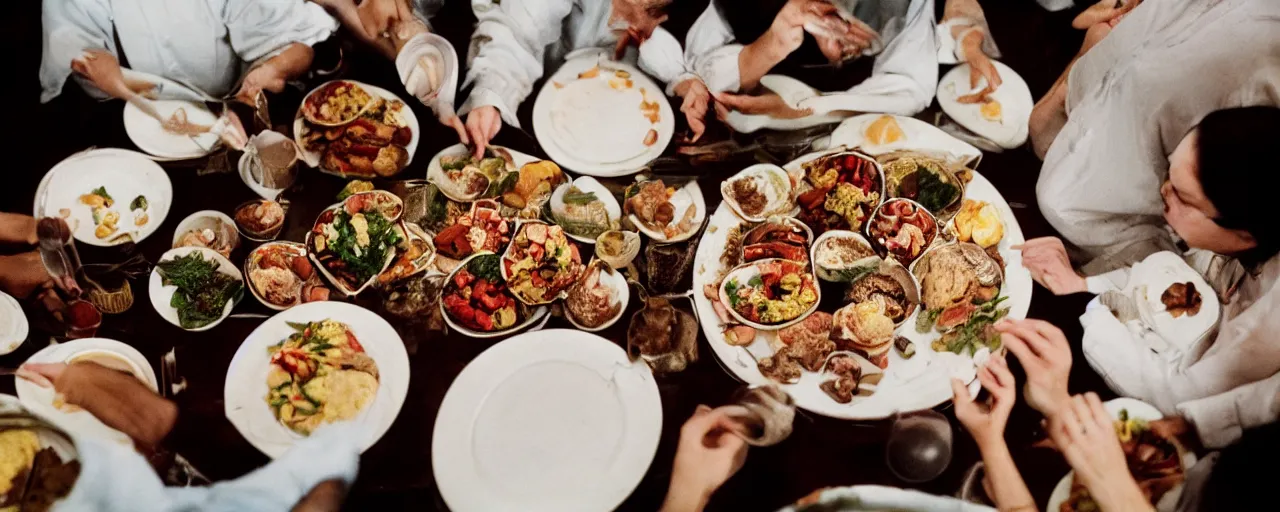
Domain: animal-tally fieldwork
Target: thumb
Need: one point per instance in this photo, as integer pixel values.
(732, 101)
(42, 374)
(960, 392)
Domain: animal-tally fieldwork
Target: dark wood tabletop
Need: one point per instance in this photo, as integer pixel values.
(396, 473)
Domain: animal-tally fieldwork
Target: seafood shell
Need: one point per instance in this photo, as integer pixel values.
(265, 235)
(559, 211)
(828, 270)
(536, 313)
(929, 238)
(770, 180)
(685, 197)
(324, 271)
(987, 269)
(251, 264)
(617, 283)
(507, 256)
(220, 223)
(904, 278)
(868, 375)
(745, 272)
(777, 223)
(457, 189)
(630, 245)
(392, 206)
(934, 165)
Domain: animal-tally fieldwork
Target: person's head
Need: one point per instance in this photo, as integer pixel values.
(1217, 195)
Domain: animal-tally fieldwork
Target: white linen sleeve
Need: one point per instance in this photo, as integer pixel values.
(662, 58)
(1222, 418)
(968, 15)
(69, 29)
(421, 57)
(904, 78)
(1114, 280)
(260, 28)
(1245, 354)
(711, 52)
(506, 52)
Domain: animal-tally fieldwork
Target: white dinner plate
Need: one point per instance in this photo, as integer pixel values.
(591, 128)
(688, 196)
(245, 391)
(549, 420)
(312, 158)
(918, 135)
(39, 400)
(125, 174)
(1013, 95)
(435, 173)
(13, 324)
(1137, 410)
(161, 294)
(922, 382)
(147, 133)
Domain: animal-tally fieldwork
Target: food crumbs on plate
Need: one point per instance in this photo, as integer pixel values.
(713, 229)
(629, 83)
(991, 110)
(558, 85)
(651, 138)
(621, 74)
(64, 213)
(590, 73)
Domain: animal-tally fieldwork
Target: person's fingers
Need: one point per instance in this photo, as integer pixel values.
(993, 75)
(495, 125)
(456, 124)
(731, 101)
(722, 112)
(1030, 361)
(1000, 369)
(620, 49)
(42, 374)
(1082, 412)
(988, 380)
(701, 409)
(1028, 334)
(960, 392)
(820, 8)
(1100, 415)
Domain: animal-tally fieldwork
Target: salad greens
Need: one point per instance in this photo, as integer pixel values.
(139, 203)
(486, 267)
(976, 332)
(363, 261)
(933, 193)
(102, 191)
(203, 291)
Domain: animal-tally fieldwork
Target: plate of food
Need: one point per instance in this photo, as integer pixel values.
(836, 189)
(929, 181)
(758, 192)
(107, 196)
(477, 302)
(189, 136)
(1158, 464)
(565, 392)
(901, 229)
(460, 177)
(664, 213)
(1000, 116)
(49, 404)
(41, 461)
(770, 294)
(482, 229)
(540, 264)
(281, 276)
(354, 241)
(195, 288)
(598, 299)
(315, 364)
(602, 118)
(13, 324)
(879, 134)
(415, 254)
(858, 355)
(352, 129)
(210, 229)
(585, 209)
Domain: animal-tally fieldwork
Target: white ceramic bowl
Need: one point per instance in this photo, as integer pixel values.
(161, 294)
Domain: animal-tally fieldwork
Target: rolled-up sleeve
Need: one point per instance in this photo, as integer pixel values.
(69, 29)
(259, 28)
(661, 57)
(1222, 418)
(506, 52)
(904, 78)
(711, 52)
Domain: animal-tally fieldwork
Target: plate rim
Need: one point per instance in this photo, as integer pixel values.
(143, 161)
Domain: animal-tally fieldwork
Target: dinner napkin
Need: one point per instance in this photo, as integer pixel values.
(114, 477)
(428, 66)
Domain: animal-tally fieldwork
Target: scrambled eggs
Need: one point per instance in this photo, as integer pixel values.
(847, 201)
(798, 295)
(320, 374)
(992, 111)
(979, 222)
(17, 451)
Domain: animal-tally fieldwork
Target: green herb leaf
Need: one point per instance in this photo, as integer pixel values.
(579, 197)
(203, 291)
(926, 319)
(102, 191)
(486, 267)
(934, 194)
(138, 203)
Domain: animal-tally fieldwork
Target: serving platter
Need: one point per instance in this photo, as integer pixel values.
(406, 115)
(549, 420)
(920, 382)
(1010, 129)
(125, 175)
(853, 133)
(589, 126)
(246, 385)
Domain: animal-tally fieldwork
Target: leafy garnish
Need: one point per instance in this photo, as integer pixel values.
(138, 203)
(102, 191)
(203, 291)
(731, 290)
(486, 267)
(926, 319)
(933, 193)
(579, 197)
(363, 262)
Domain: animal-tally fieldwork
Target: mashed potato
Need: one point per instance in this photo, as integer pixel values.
(17, 451)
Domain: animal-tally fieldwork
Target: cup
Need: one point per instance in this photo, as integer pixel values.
(919, 447)
(762, 414)
(273, 159)
(83, 319)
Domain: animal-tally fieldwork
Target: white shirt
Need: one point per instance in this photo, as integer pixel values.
(203, 43)
(1232, 386)
(515, 39)
(1130, 101)
(904, 77)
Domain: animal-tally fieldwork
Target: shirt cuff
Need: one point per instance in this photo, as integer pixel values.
(482, 97)
(719, 70)
(1215, 418)
(1114, 280)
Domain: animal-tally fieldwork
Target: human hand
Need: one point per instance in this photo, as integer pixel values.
(118, 399)
(634, 22)
(231, 130)
(986, 422)
(708, 454)
(23, 274)
(1046, 258)
(786, 34)
(483, 124)
(697, 99)
(1086, 434)
(1045, 354)
(768, 104)
(456, 123)
(1177, 428)
(980, 67)
(1108, 12)
(265, 77)
(103, 70)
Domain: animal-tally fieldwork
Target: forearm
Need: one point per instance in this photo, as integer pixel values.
(293, 61)
(17, 229)
(1119, 492)
(122, 402)
(1048, 117)
(683, 499)
(757, 59)
(1010, 492)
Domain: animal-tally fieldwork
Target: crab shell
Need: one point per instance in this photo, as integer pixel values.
(770, 180)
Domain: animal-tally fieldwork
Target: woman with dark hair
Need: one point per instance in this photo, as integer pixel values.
(1217, 200)
(862, 56)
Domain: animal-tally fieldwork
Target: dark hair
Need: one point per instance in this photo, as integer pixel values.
(1236, 160)
(1244, 476)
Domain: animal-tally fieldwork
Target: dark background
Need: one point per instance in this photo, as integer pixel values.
(396, 473)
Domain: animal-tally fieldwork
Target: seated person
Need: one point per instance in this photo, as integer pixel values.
(312, 476)
(23, 275)
(400, 30)
(516, 39)
(1209, 203)
(732, 51)
(1108, 130)
(206, 44)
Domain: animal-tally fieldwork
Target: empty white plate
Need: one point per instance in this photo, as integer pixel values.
(549, 420)
(1010, 129)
